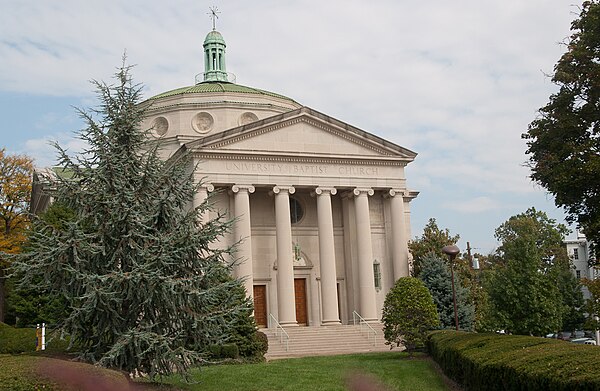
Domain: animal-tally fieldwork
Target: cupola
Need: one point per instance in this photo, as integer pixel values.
(214, 57)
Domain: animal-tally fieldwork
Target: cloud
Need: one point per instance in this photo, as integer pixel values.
(457, 82)
(474, 205)
(44, 152)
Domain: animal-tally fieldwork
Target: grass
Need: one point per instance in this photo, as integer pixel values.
(27, 372)
(393, 369)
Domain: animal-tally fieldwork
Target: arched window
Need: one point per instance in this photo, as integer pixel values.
(377, 274)
(296, 210)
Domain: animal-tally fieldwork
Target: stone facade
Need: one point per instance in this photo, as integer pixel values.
(321, 207)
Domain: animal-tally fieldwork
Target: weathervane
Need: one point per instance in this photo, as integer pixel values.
(213, 15)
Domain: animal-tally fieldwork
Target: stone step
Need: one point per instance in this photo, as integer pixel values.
(337, 339)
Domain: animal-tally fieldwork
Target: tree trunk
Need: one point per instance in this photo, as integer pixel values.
(2, 294)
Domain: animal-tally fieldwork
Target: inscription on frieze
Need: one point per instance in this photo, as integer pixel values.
(300, 169)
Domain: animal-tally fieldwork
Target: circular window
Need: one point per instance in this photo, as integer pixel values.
(296, 210)
(247, 118)
(160, 125)
(202, 122)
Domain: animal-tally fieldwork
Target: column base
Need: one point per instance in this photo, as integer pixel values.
(289, 324)
(331, 322)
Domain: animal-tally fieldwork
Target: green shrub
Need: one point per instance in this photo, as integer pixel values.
(515, 362)
(262, 342)
(214, 350)
(408, 314)
(13, 340)
(21, 340)
(230, 350)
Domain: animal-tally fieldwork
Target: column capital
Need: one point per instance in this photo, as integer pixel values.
(288, 189)
(242, 188)
(208, 186)
(393, 192)
(324, 190)
(359, 191)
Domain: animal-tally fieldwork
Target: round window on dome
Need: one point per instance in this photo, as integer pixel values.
(247, 118)
(202, 122)
(160, 125)
(296, 210)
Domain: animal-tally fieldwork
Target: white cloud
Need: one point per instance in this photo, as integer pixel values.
(473, 206)
(44, 152)
(457, 82)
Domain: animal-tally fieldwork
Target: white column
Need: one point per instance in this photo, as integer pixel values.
(329, 299)
(199, 198)
(243, 232)
(366, 283)
(399, 239)
(285, 262)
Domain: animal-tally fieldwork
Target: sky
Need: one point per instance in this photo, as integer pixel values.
(458, 82)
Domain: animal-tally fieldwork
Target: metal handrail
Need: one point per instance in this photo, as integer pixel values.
(361, 322)
(283, 332)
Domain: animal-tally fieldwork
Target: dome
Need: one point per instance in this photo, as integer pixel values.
(212, 87)
(214, 37)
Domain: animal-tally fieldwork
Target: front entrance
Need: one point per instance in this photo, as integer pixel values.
(260, 305)
(301, 307)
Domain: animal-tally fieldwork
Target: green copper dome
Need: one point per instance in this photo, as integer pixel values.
(214, 87)
(214, 37)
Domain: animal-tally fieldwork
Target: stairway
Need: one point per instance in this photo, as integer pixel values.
(325, 340)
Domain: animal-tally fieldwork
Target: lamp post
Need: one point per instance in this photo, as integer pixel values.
(452, 251)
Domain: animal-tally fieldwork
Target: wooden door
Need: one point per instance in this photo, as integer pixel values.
(260, 305)
(300, 294)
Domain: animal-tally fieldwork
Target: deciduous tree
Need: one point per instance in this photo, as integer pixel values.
(15, 190)
(530, 288)
(431, 242)
(564, 141)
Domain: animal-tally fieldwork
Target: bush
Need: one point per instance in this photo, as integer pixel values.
(514, 362)
(13, 340)
(21, 340)
(228, 350)
(262, 343)
(408, 313)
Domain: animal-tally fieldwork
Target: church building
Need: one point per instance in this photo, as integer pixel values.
(321, 207)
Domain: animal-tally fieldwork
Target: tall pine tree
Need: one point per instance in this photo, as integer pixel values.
(145, 281)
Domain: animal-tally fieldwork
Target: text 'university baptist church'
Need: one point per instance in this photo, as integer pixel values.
(321, 207)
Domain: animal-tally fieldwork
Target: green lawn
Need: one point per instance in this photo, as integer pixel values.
(394, 369)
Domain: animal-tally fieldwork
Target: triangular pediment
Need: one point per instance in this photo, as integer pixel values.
(303, 132)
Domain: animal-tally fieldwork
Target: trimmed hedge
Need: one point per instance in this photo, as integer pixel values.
(22, 340)
(515, 362)
(13, 340)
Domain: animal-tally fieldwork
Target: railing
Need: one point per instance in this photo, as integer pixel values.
(283, 333)
(362, 322)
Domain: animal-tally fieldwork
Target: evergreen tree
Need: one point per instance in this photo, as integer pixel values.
(408, 314)
(436, 276)
(144, 280)
(34, 304)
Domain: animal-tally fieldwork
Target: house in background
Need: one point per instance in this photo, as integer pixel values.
(580, 254)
